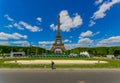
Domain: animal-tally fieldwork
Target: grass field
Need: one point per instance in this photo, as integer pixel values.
(110, 64)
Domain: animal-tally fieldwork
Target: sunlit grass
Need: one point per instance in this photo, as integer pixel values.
(110, 64)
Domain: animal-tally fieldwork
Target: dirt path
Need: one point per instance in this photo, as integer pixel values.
(56, 61)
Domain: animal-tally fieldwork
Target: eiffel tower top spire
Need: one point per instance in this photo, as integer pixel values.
(58, 28)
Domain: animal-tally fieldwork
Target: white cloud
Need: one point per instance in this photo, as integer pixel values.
(48, 44)
(66, 41)
(47, 47)
(86, 34)
(68, 22)
(39, 19)
(51, 42)
(8, 18)
(45, 42)
(4, 43)
(21, 24)
(18, 26)
(101, 13)
(71, 46)
(18, 43)
(97, 33)
(98, 2)
(30, 27)
(110, 41)
(21, 43)
(85, 41)
(9, 26)
(6, 36)
(20, 36)
(53, 27)
(92, 23)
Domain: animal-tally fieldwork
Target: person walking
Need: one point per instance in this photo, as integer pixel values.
(52, 65)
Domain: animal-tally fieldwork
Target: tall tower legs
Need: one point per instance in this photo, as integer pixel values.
(58, 46)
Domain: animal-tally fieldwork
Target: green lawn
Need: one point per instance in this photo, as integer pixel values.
(111, 63)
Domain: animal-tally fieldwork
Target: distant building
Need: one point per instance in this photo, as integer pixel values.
(118, 57)
(110, 56)
(17, 54)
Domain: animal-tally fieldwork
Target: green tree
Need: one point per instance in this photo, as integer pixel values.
(116, 52)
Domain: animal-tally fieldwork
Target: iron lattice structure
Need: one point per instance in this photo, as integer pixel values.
(58, 40)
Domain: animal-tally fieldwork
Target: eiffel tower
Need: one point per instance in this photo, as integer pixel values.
(58, 46)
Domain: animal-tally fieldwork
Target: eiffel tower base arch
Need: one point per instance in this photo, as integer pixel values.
(58, 49)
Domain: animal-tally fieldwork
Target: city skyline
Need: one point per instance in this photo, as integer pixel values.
(84, 23)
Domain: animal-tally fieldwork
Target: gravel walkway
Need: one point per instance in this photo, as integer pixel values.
(56, 61)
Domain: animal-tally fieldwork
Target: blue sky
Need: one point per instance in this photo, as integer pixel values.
(83, 22)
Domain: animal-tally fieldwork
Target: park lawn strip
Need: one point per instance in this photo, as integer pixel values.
(57, 62)
(110, 64)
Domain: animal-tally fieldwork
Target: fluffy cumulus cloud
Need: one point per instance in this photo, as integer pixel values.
(91, 23)
(71, 46)
(30, 27)
(6, 36)
(53, 26)
(18, 43)
(51, 42)
(45, 42)
(18, 26)
(48, 44)
(9, 26)
(98, 2)
(4, 43)
(67, 41)
(86, 34)
(8, 17)
(21, 25)
(96, 33)
(39, 19)
(21, 43)
(68, 22)
(109, 41)
(101, 12)
(103, 8)
(85, 41)
(17, 35)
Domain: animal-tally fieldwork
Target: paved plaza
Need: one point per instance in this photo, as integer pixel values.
(60, 76)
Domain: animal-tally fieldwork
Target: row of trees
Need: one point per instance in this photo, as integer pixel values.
(97, 51)
(28, 50)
